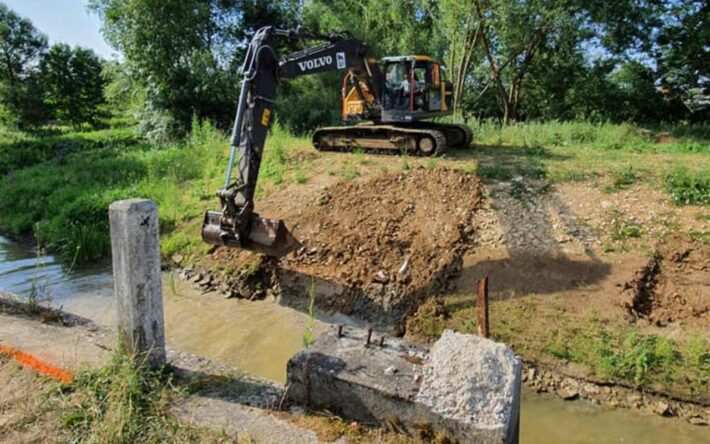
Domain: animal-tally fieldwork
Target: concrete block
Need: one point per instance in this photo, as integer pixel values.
(464, 386)
(135, 249)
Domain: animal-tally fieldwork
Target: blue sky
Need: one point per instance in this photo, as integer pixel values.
(64, 21)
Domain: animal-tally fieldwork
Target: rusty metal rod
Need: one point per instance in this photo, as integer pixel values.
(340, 331)
(369, 336)
(482, 307)
(382, 341)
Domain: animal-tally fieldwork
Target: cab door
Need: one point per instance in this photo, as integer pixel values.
(435, 86)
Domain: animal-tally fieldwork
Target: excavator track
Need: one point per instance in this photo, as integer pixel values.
(382, 139)
(457, 135)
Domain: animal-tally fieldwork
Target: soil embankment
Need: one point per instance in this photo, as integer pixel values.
(374, 248)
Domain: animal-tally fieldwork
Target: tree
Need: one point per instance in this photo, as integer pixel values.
(183, 54)
(683, 53)
(515, 33)
(72, 83)
(458, 22)
(21, 47)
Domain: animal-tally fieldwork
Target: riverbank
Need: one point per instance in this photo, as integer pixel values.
(209, 418)
(569, 214)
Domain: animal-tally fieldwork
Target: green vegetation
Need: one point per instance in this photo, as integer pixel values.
(60, 192)
(539, 330)
(38, 83)
(621, 179)
(626, 355)
(58, 183)
(688, 188)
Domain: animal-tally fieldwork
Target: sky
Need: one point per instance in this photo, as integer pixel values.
(64, 21)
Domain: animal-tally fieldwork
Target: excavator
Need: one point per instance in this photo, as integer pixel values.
(388, 99)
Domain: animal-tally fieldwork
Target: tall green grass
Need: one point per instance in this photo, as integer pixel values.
(62, 197)
(605, 136)
(632, 356)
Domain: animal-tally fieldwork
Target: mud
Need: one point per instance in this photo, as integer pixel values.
(673, 286)
(544, 379)
(374, 248)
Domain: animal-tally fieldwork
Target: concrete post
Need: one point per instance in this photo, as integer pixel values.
(135, 247)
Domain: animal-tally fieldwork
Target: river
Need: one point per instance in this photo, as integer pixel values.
(259, 337)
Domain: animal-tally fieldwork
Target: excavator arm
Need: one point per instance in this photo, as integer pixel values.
(237, 225)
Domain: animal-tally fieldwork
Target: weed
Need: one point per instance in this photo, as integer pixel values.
(359, 156)
(405, 162)
(688, 188)
(308, 338)
(622, 228)
(299, 176)
(627, 355)
(124, 402)
(572, 175)
(697, 352)
(494, 172)
(518, 188)
(171, 282)
(431, 163)
(621, 179)
(350, 171)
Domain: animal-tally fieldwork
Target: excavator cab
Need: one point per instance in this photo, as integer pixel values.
(414, 89)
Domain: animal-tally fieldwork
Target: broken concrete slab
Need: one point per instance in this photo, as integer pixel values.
(464, 386)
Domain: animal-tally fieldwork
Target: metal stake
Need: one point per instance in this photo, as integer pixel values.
(482, 307)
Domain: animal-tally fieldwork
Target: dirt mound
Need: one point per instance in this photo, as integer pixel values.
(396, 227)
(674, 285)
(384, 243)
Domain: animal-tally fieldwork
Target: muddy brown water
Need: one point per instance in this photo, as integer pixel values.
(259, 337)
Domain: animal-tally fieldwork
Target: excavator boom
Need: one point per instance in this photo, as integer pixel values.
(236, 224)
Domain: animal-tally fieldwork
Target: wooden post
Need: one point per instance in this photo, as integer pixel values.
(482, 306)
(135, 248)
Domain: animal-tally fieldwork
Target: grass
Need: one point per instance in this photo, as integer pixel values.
(57, 184)
(686, 188)
(580, 151)
(542, 330)
(621, 179)
(119, 403)
(62, 199)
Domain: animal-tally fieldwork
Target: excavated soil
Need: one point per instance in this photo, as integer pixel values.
(674, 285)
(374, 248)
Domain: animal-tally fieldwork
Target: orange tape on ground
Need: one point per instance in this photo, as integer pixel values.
(37, 364)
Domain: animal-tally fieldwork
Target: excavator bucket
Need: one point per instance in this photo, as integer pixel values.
(266, 236)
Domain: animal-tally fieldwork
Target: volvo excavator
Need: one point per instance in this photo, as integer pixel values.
(387, 99)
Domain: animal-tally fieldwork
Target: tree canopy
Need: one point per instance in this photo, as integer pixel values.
(629, 60)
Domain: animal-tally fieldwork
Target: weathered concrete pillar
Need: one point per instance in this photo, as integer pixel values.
(135, 247)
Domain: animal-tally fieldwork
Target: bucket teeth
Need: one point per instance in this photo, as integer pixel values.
(266, 236)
